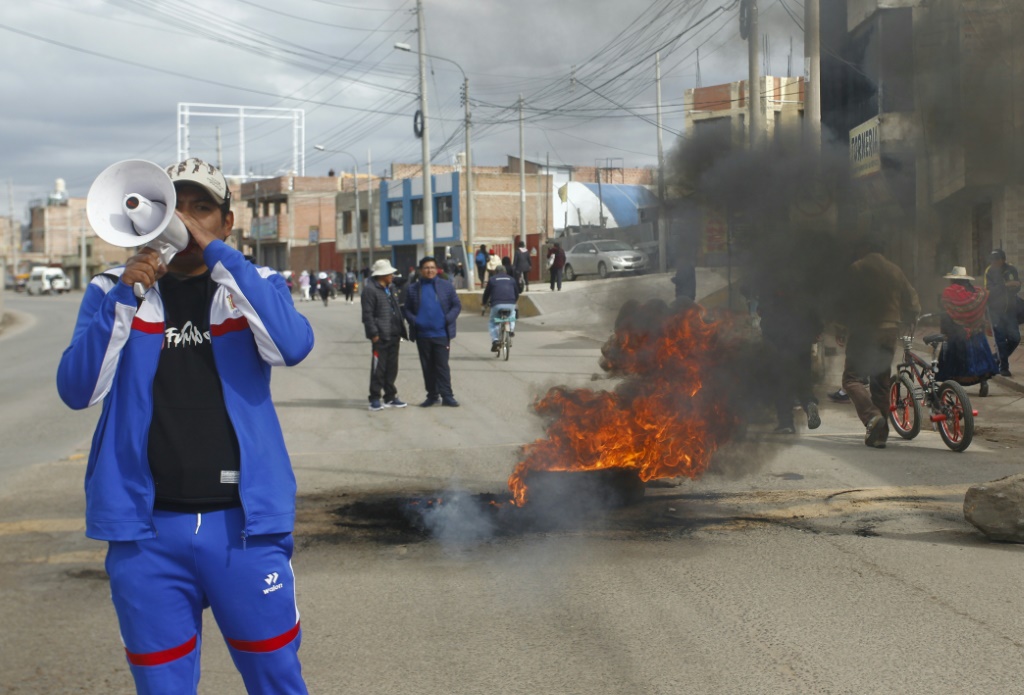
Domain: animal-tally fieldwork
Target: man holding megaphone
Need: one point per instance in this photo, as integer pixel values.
(188, 478)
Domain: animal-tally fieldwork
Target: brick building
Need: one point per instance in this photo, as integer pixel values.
(723, 109)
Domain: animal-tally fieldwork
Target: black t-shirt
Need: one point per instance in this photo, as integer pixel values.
(193, 449)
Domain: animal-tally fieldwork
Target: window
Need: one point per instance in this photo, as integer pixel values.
(417, 211)
(444, 209)
(396, 214)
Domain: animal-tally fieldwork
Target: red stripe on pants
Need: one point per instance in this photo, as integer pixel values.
(158, 658)
(265, 645)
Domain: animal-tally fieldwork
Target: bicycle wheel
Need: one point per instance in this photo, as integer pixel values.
(957, 430)
(904, 410)
(507, 344)
(503, 342)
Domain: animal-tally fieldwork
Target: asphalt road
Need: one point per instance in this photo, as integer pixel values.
(811, 565)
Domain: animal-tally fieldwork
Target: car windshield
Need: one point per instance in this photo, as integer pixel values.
(612, 246)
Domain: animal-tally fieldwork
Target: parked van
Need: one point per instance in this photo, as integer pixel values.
(43, 280)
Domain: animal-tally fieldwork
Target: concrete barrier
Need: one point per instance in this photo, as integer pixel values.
(471, 302)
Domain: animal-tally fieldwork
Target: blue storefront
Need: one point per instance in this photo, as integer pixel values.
(401, 217)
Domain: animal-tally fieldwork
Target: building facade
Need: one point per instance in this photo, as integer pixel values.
(928, 95)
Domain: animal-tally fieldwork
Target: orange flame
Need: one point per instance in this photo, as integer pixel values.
(660, 421)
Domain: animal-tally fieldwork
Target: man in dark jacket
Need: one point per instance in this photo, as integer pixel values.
(878, 300)
(431, 307)
(382, 318)
(1003, 283)
(556, 263)
(521, 267)
(502, 292)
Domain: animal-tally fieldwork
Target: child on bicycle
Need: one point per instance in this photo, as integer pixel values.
(502, 292)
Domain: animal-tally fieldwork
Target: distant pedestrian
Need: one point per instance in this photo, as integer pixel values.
(480, 259)
(556, 264)
(492, 263)
(304, 285)
(323, 286)
(385, 329)
(790, 325)
(685, 279)
(1003, 283)
(349, 286)
(432, 307)
(521, 267)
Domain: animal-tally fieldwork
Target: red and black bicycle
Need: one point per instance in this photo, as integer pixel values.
(915, 387)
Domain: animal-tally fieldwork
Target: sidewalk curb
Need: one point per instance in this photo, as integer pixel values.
(1009, 383)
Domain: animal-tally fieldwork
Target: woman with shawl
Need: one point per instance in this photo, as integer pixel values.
(966, 357)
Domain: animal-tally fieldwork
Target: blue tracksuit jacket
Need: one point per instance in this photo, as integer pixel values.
(113, 358)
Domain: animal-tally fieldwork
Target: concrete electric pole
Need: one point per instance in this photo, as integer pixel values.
(428, 193)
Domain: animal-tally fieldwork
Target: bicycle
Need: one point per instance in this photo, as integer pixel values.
(915, 385)
(504, 321)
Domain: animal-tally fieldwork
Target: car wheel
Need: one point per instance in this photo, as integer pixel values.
(570, 274)
(602, 269)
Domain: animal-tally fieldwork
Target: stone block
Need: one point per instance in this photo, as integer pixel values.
(997, 508)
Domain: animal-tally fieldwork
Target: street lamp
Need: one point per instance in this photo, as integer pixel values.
(358, 222)
(470, 267)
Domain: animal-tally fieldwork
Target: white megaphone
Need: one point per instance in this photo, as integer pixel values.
(131, 203)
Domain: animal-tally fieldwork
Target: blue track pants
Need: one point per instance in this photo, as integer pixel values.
(161, 586)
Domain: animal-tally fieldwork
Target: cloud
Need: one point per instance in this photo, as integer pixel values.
(69, 113)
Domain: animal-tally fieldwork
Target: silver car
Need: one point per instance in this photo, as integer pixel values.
(603, 257)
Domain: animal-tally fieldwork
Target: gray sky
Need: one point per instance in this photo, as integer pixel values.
(92, 82)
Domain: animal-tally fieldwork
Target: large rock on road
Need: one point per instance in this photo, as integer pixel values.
(997, 508)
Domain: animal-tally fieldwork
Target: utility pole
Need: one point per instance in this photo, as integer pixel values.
(220, 152)
(83, 272)
(749, 31)
(428, 194)
(600, 198)
(662, 241)
(522, 174)
(257, 227)
(470, 267)
(812, 50)
(370, 212)
(358, 226)
(15, 227)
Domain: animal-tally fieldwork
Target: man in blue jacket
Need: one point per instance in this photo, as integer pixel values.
(431, 307)
(188, 477)
(502, 292)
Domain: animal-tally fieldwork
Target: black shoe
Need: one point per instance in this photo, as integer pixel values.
(494, 346)
(430, 401)
(877, 432)
(512, 334)
(813, 418)
(1005, 372)
(839, 396)
(784, 429)
(450, 402)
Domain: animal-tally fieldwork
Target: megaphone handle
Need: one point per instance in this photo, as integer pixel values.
(139, 290)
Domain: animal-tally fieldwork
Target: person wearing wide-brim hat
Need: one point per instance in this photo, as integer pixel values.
(966, 356)
(385, 329)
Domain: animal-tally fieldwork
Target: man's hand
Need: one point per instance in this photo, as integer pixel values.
(197, 230)
(375, 339)
(144, 267)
